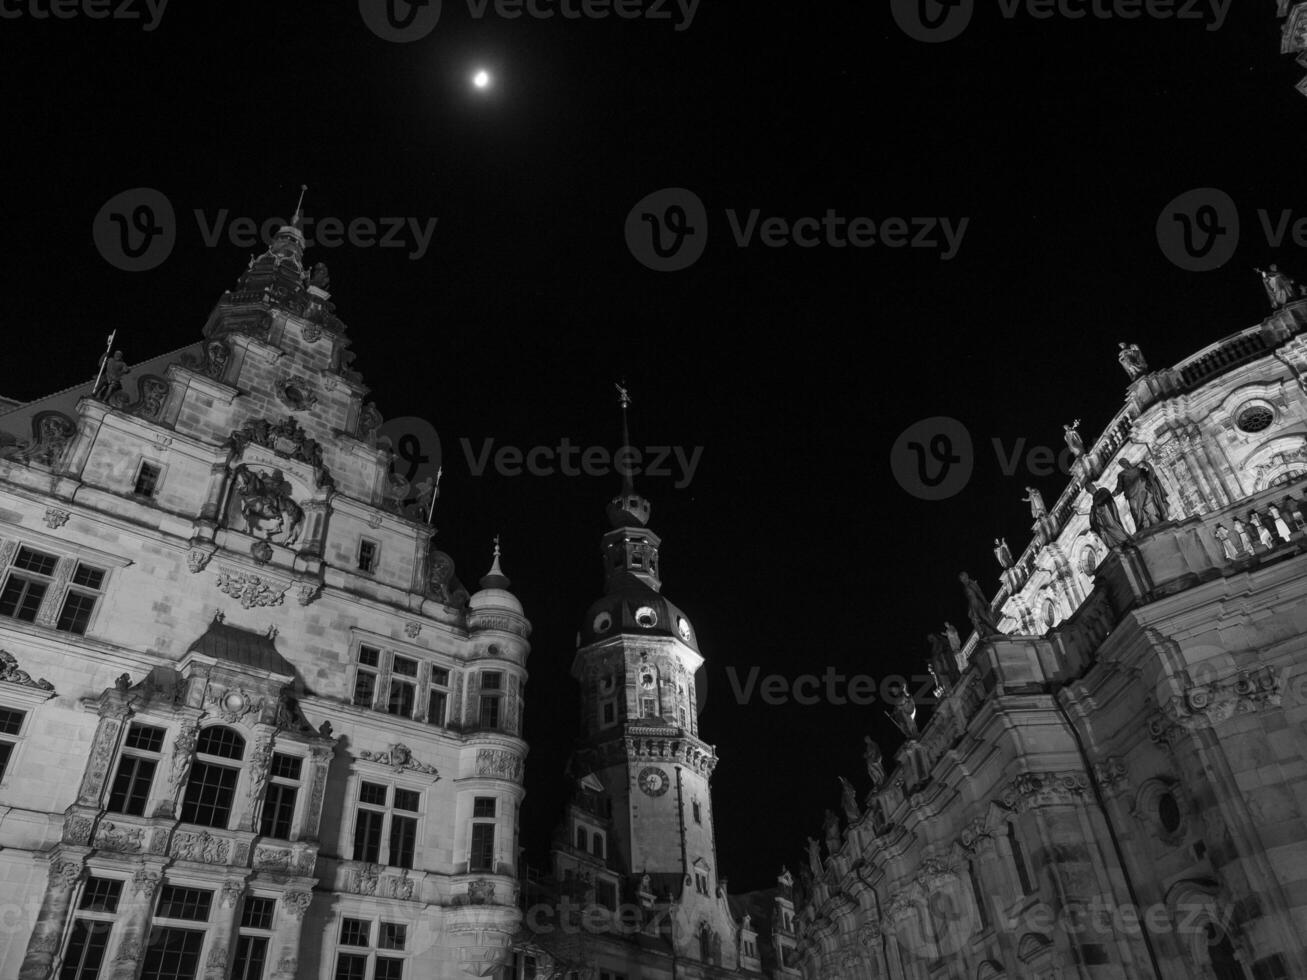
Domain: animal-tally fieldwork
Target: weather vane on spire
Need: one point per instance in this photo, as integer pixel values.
(299, 207)
(496, 545)
(623, 394)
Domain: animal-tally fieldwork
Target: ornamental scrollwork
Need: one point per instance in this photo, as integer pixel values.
(297, 903)
(250, 590)
(10, 672)
(500, 763)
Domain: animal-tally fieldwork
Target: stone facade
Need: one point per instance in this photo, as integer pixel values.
(1294, 38)
(249, 719)
(1112, 784)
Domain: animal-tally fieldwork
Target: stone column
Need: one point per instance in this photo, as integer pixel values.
(114, 712)
(134, 912)
(294, 903)
(320, 757)
(179, 767)
(258, 764)
(48, 614)
(222, 928)
(65, 871)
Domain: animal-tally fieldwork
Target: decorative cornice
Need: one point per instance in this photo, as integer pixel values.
(399, 758)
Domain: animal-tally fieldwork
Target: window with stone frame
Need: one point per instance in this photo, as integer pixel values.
(11, 730)
(84, 594)
(279, 798)
(1019, 859)
(366, 675)
(481, 852)
(147, 479)
(26, 584)
(490, 713)
(369, 552)
(403, 694)
(253, 938)
(368, 950)
(177, 934)
(386, 823)
(141, 754)
(211, 786)
(438, 697)
(97, 908)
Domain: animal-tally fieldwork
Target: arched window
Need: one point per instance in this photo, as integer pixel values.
(582, 839)
(1050, 613)
(211, 787)
(598, 845)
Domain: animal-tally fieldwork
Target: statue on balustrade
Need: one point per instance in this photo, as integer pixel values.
(978, 610)
(1073, 441)
(1003, 553)
(1143, 492)
(1280, 289)
(1132, 359)
(1104, 519)
(1036, 501)
(875, 763)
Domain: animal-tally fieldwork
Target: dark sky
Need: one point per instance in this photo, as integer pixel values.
(795, 369)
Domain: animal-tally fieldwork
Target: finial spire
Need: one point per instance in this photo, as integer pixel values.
(299, 208)
(495, 578)
(624, 400)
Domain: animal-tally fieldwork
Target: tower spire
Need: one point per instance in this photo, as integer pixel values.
(628, 508)
(298, 220)
(624, 400)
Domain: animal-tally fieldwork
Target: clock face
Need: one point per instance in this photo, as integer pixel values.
(683, 627)
(653, 781)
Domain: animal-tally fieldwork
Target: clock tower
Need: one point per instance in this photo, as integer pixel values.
(640, 826)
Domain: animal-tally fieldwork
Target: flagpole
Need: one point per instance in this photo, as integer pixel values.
(103, 361)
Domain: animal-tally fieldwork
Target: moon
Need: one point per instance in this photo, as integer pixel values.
(481, 79)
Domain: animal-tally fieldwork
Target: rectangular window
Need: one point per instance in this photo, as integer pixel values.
(609, 712)
(80, 602)
(131, 784)
(403, 839)
(438, 701)
(356, 932)
(492, 680)
(389, 968)
(351, 966)
(147, 480)
(365, 677)
(394, 935)
(367, 555)
(209, 794)
(649, 707)
(173, 952)
(27, 584)
(698, 812)
(483, 807)
(11, 723)
(1019, 859)
(489, 712)
(279, 799)
(367, 836)
(251, 955)
(482, 857)
(403, 696)
(84, 954)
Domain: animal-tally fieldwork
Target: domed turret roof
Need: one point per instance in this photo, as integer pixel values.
(494, 593)
(636, 609)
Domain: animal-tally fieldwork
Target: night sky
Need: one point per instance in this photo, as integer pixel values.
(793, 548)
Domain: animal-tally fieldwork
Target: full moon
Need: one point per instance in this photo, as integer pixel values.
(481, 79)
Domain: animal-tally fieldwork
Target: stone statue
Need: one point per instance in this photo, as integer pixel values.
(1223, 536)
(954, 641)
(814, 857)
(1293, 511)
(123, 682)
(875, 765)
(1143, 492)
(1263, 533)
(1036, 501)
(849, 800)
(904, 717)
(978, 610)
(941, 663)
(831, 828)
(1132, 359)
(1242, 529)
(325, 729)
(1281, 527)
(1003, 553)
(1280, 289)
(1104, 519)
(1073, 441)
(320, 277)
(266, 497)
(112, 371)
